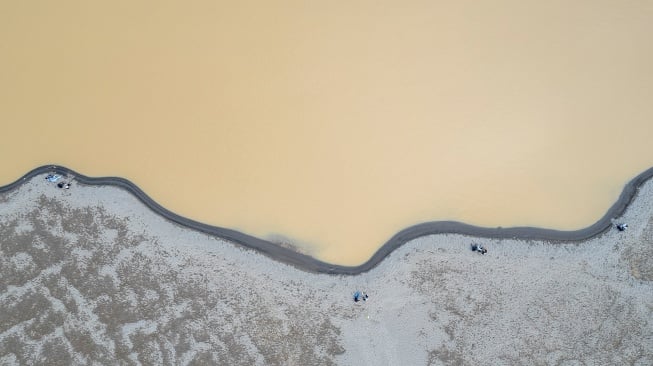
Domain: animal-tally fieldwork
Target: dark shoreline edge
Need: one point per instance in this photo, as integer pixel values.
(310, 264)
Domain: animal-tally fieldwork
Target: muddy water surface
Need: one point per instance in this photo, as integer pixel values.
(332, 125)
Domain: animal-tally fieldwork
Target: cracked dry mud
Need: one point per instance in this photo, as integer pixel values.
(92, 277)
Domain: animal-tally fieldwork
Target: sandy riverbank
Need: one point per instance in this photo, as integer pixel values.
(92, 274)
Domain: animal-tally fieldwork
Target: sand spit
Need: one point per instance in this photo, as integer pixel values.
(90, 275)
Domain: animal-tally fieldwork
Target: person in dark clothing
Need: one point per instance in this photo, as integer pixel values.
(479, 248)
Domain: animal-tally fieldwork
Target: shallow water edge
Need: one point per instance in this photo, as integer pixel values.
(311, 264)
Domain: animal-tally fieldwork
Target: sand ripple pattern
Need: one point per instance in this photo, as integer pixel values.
(92, 276)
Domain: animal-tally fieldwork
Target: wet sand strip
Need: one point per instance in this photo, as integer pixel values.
(310, 264)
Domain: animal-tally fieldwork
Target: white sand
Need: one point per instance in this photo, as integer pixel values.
(127, 286)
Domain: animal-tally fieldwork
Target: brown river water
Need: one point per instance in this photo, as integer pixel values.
(332, 125)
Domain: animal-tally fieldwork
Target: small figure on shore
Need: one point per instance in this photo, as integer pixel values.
(65, 185)
(358, 296)
(52, 177)
(622, 227)
(479, 248)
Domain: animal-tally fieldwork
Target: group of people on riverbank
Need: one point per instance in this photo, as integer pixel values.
(56, 178)
(480, 248)
(360, 296)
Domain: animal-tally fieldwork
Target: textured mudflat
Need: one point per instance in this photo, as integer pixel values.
(91, 275)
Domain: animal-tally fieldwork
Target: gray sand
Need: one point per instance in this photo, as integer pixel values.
(91, 275)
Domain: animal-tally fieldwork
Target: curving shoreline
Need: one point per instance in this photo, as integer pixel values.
(311, 264)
